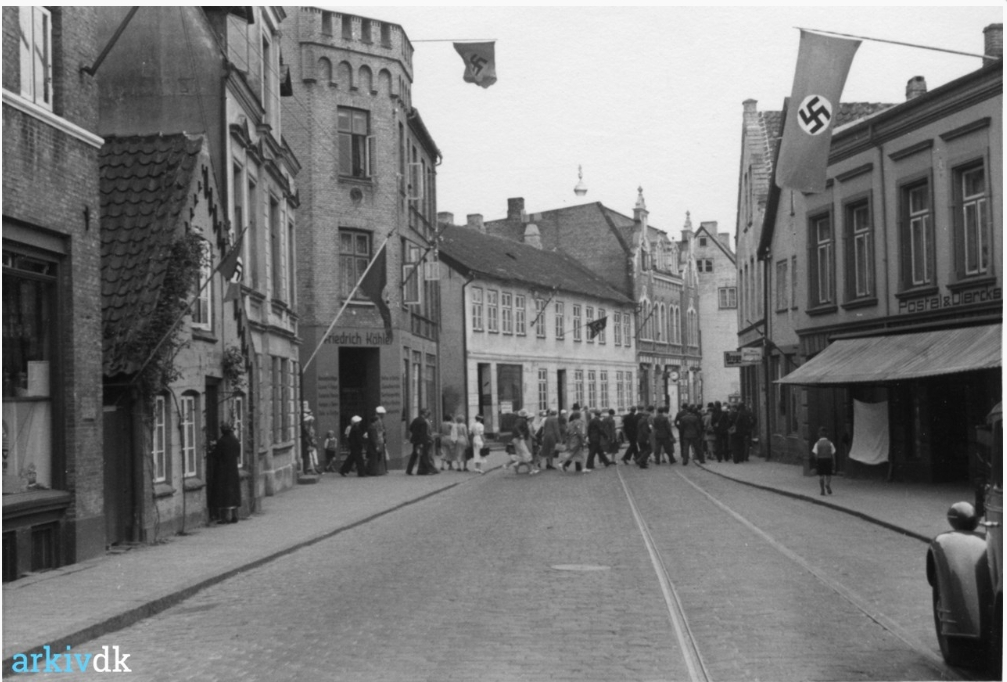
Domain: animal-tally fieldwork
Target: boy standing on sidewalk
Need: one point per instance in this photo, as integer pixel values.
(825, 460)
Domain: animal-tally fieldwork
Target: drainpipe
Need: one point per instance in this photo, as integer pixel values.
(465, 351)
(766, 345)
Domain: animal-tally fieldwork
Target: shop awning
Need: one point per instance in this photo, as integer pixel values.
(900, 357)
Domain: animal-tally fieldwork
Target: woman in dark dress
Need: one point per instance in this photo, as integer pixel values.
(376, 463)
(225, 482)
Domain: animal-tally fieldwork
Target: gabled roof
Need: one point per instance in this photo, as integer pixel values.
(716, 240)
(145, 189)
(472, 252)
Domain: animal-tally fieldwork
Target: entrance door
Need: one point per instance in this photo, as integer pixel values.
(117, 431)
(560, 389)
(485, 393)
(359, 384)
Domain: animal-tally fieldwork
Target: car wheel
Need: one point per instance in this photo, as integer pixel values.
(962, 653)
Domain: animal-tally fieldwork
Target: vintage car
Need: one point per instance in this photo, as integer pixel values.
(965, 568)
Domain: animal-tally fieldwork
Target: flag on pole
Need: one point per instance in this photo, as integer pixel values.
(231, 263)
(373, 285)
(596, 327)
(823, 62)
(480, 63)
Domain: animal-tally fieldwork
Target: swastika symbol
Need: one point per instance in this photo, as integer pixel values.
(815, 114)
(477, 63)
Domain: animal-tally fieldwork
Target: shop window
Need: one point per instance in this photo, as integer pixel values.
(30, 381)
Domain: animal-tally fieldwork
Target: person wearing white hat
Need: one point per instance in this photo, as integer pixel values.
(355, 440)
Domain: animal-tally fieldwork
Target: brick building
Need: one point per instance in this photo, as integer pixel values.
(718, 306)
(159, 208)
(900, 285)
(642, 263)
(368, 186)
(53, 474)
(515, 330)
(216, 72)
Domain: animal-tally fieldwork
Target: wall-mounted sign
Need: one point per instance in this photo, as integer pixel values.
(987, 294)
(732, 358)
(742, 357)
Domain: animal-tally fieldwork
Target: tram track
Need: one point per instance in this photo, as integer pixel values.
(688, 642)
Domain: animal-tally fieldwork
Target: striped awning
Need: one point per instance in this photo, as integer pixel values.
(879, 359)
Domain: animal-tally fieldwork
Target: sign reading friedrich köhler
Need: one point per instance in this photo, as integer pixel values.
(375, 338)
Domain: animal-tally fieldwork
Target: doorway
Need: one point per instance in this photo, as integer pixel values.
(560, 389)
(359, 384)
(117, 431)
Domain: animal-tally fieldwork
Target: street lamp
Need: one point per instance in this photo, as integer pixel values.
(580, 189)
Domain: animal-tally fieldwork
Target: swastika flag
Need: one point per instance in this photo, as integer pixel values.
(823, 62)
(480, 63)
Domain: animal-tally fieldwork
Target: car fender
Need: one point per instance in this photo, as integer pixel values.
(957, 565)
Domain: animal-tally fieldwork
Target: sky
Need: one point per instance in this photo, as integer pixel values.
(645, 97)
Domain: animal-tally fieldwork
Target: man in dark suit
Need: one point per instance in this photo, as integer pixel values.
(629, 431)
(663, 438)
(644, 431)
(421, 438)
(595, 441)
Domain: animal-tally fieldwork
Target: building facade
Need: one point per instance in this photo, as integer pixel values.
(901, 294)
(517, 318)
(368, 187)
(53, 473)
(216, 72)
(173, 359)
(645, 265)
(718, 307)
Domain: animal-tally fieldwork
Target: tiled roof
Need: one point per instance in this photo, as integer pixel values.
(512, 261)
(145, 183)
(854, 111)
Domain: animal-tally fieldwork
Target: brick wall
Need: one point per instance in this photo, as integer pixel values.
(50, 180)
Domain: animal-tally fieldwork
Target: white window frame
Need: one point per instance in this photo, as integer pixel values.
(728, 297)
(602, 334)
(620, 391)
(188, 407)
(578, 387)
(477, 309)
(617, 328)
(543, 388)
(351, 139)
(238, 424)
(492, 311)
(863, 262)
(159, 443)
(603, 388)
(560, 320)
(202, 311)
(35, 41)
(592, 388)
(578, 334)
(589, 316)
(520, 315)
(973, 222)
(627, 330)
(506, 312)
(540, 308)
(919, 234)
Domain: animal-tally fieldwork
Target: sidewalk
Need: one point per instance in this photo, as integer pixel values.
(915, 509)
(82, 601)
(89, 599)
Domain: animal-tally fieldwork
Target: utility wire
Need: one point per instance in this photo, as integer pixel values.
(897, 42)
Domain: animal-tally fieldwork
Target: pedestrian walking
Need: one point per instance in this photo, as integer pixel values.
(355, 440)
(377, 453)
(576, 434)
(745, 425)
(825, 460)
(678, 425)
(721, 424)
(311, 443)
(629, 431)
(596, 441)
(477, 432)
(644, 431)
(461, 443)
(521, 439)
(446, 442)
(551, 438)
(611, 439)
(224, 493)
(736, 440)
(664, 440)
(691, 428)
(331, 446)
(421, 438)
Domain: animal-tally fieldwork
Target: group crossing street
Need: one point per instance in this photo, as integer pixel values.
(667, 574)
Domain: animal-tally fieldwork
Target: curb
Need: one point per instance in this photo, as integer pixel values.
(823, 503)
(166, 601)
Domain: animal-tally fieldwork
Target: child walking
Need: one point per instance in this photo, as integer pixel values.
(825, 460)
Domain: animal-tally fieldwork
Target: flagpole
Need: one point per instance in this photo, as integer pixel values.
(345, 303)
(896, 42)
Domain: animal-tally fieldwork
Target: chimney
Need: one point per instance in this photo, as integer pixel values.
(445, 218)
(710, 226)
(475, 221)
(532, 237)
(515, 208)
(725, 239)
(916, 86)
(750, 110)
(993, 43)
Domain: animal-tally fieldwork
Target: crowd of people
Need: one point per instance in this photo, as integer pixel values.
(578, 440)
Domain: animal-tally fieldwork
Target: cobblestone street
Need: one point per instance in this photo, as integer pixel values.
(548, 578)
